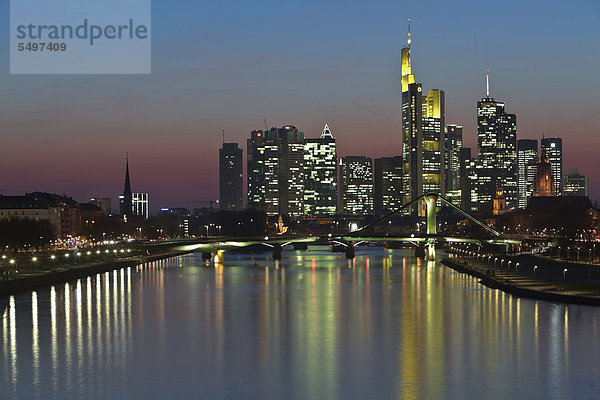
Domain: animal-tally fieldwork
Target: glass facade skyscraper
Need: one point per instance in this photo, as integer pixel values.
(356, 185)
(276, 171)
(453, 144)
(423, 124)
(527, 159)
(320, 175)
(387, 185)
(497, 155)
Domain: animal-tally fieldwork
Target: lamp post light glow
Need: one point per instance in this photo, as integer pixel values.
(534, 268)
(565, 274)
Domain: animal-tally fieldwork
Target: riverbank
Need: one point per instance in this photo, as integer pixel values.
(49, 278)
(527, 286)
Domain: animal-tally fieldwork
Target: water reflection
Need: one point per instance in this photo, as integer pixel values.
(313, 325)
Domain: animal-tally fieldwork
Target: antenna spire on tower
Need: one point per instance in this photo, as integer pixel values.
(409, 33)
(223, 135)
(487, 83)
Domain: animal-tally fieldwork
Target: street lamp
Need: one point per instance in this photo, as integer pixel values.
(565, 274)
(516, 266)
(534, 268)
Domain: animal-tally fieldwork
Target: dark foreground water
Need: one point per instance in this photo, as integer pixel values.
(312, 326)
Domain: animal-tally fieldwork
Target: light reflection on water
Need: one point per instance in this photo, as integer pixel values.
(313, 325)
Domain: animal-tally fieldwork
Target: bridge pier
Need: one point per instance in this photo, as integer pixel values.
(206, 256)
(420, 251)
(350, 251)
(277, 251)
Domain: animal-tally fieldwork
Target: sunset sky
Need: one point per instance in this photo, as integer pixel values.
(232, 64)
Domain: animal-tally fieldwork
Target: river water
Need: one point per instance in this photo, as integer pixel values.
(311, 326)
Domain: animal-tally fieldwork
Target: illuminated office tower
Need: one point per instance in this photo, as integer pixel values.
(412, 133)
(139, 202)
(527, 158)
(230, 177)
(553, 147)
(276, 171)
(387, 185)
(356, 185)
(406, 68)
(412, 141)
(497, 154)
(576, 184)
(452, 146)
(432, 146)
(256, 157)
(291, 170)
(320, 175)
(263, 166)
(423, 124)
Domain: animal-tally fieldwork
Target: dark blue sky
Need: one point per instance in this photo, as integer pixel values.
(230, 64)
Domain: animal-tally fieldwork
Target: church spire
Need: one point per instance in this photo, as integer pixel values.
(127, 188)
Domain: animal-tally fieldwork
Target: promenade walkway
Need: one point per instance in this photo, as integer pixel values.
(531, 276)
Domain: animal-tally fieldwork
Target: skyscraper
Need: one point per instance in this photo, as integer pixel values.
(276, 171)
(125, 199)
(423, 123)
(291, 170)
(432, 147)
(230, 177)
(356, 185)
(453, 145)
(412, 134)
(497, 153)
(320, 175)
(527, 158)
(387, 185)
(576, 184)
(412, 140)
(553, 147)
